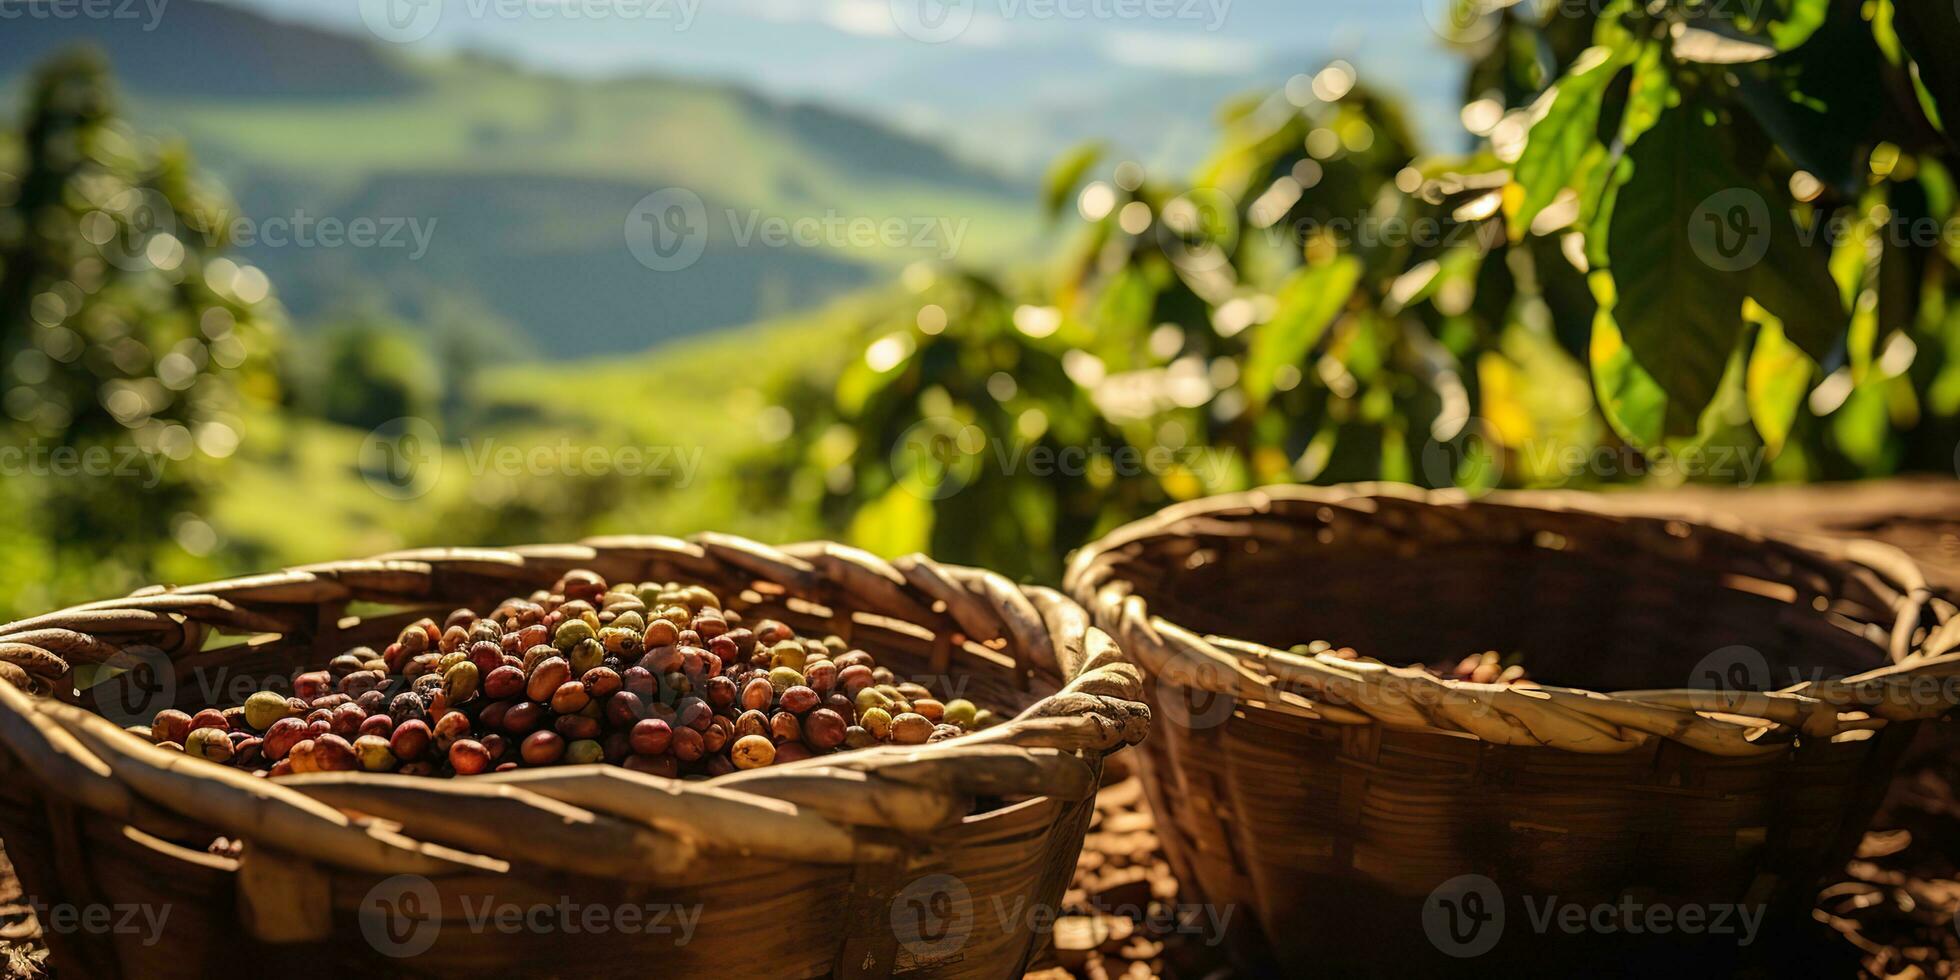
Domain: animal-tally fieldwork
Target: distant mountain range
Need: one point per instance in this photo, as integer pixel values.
(528, 182)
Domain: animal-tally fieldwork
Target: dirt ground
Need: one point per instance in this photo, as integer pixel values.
(1891, 913)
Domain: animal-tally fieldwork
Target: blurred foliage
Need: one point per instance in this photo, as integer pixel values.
(1686, 244)
(1673, 244)
(132, 356)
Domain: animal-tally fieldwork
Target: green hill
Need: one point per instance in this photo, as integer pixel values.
(524, 182)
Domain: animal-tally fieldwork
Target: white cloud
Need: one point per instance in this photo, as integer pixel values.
(1179, 52)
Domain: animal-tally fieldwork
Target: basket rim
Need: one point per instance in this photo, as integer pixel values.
(1924, 635)
(865, 806)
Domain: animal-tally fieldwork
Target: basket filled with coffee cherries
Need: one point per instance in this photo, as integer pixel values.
(825, 758)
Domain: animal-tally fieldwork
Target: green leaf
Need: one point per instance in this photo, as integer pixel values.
(1633, 403)
(1779, 376)
(1930, 34)
(1797, 20)
(1065, 174)
(1308, 303)
(1673, 248)
(1559, 139)
(1793, 282)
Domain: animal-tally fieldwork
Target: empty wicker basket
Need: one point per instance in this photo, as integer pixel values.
(860, 864)
(1351, 806)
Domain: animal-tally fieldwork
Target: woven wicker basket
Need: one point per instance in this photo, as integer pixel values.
(1339, 803)
(862, 864)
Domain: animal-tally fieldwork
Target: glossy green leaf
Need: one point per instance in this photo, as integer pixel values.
(1778, 378)
(1560, 138)
(1678, 248)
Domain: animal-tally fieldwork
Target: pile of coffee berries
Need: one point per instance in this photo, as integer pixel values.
(655, 677)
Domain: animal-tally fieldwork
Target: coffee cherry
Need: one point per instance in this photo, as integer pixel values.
(784, 727)
(264, 708)
(799, 699)
(331, 753)
(601, 683)
(410, 740)
(281, 736)
(623, 709)
(687, 745)
(468, 757)
(209, 744)
(523, 717)
(542, 748)
(961, 712)
(784, 678)
(788, 752)
(210, 718)
(380, 725)
(311, 685)
(824, 729)
(911, 729)
(752, 752)
(651, 736)
(374, 754)
(854, 679)
(406, 707)
(720, 692)
(878, 722)
(856, 737)
(584, 752)
(930, 708)
(758, 695)
(503, 682)
(546, 678)
(449, 729)
(570, 698)
(170, 725)
(346, 721)
(821, 676)
(576, 727)
(694, 713)
(751, 723)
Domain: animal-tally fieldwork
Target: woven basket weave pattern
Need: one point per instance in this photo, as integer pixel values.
(794, 869)
(1312, 789)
